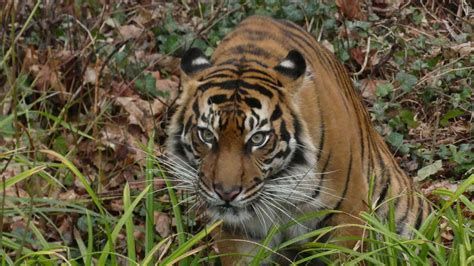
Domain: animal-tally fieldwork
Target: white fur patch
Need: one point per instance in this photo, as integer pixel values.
(287, 64)
(200, 61)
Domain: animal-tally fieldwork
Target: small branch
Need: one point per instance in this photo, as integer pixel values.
(366, 59)
(7, 54)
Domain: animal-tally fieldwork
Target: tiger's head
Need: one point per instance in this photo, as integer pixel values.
(236, 140)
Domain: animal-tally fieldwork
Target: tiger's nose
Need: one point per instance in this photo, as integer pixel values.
(227, 194)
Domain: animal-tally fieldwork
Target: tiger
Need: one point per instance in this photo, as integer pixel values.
(270, 127)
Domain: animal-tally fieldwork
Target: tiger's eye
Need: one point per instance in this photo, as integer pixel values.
(206, 135)
(258, 139)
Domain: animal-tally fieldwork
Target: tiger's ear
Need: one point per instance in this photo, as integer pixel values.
(194, 61)
(292, 66)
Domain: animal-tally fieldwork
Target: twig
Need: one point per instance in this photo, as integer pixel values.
(366, 59)
(428, 77)
(7, 54)
(376, 68)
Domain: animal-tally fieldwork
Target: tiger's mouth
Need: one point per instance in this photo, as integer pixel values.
(229, 213)
(239, 209)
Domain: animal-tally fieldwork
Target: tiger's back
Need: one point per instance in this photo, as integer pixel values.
(273, 70)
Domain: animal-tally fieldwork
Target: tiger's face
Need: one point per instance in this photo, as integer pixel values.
(236, 139)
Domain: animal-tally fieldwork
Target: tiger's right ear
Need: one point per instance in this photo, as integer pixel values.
(194, 61)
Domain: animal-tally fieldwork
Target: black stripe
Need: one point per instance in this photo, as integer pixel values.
(218, 75)
(383, 193)
(419, 215)
(236, 84)
(239, 61)
(262, 79)
(219, 70)
(323, 175)
(263, 73)
(253, 103)
(344, 192)
(217, 99)
(228, 84)
(284, 134)
(187, 125)
(298, 158)
(196, 107)
(257, 35)
(276, 114)
(249, 49)
(251, 122)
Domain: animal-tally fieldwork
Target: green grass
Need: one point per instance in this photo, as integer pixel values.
(79, 180)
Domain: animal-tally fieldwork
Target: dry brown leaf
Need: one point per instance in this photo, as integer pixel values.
(369, 87)
(358, 55)
(111, 135)
(48, 75)
(141, 112)
(386, 7)
(168, 85)
(68, 195)
(440, 184)
(130, 104)
(162, 223)
(116, 205)
(130, 32)
(90, 75)
(350, 9)
(65, 229)
(328, 45)
(464, 49)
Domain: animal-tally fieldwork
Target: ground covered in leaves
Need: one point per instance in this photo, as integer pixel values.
(94, 82)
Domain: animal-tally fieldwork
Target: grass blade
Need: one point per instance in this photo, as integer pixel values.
(129, 227)
(79, 175)
(21, 176)
(183, 248)
(126, 215)
(149, 201)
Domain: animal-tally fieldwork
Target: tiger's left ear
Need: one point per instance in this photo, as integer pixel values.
(293, 66)
(194, 61)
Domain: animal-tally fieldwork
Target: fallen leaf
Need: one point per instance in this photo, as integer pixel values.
(141, 112)
(116, 205)
(369, 87)
(429, 170)
(162, 224)
(130, 32)
(464, 49)
(358, 55)
(65, 229)
(445, 184)
(350, 9)
(386, 7)
(68, 195)
(90, 75)
(328, 45)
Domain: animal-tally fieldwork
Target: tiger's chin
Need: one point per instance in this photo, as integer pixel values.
(231, 215)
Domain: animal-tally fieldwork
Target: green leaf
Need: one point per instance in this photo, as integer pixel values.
(408, 118)
(146, 85)
(449, 115)
(292, 13)
(60, 145)
(171, 43)
(6, 125)
(384, 89)
(429, 170)
(396, 139)
(407, 81)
